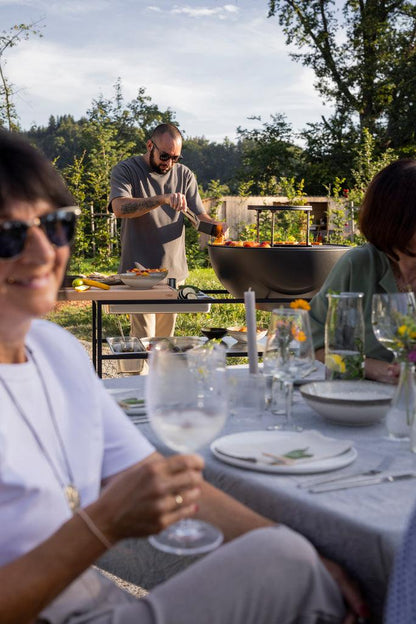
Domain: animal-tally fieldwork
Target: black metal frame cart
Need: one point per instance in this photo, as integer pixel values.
(162, 299)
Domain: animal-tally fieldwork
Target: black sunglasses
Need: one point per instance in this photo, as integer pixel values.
(164, 156)
(59, 227)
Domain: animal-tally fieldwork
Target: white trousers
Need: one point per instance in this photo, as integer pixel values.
(268, 576)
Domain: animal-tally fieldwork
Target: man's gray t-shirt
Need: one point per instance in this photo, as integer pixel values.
(157, 239)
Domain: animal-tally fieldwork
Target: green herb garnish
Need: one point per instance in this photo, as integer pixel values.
(298, 454)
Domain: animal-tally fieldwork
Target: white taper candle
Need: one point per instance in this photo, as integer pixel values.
(250, 305)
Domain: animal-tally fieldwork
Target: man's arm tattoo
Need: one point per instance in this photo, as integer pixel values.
(139, 206)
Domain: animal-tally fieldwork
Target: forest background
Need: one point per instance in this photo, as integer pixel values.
(363, 57)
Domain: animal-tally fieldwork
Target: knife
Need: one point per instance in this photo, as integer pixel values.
(332, 487)
(252, 460)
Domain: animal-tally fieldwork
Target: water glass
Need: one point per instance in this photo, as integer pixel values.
(246, 395)
(344, 336)
(387, 312)
(288, 356)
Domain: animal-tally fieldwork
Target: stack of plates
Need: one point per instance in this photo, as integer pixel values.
(284, 452)
(133, 405)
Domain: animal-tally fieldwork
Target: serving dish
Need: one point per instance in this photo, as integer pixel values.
(179, 343)
(142, 282)
(240, 333)
(130, 344)
(351, 403)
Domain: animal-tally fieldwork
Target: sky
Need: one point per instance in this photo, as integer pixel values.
(213, 63)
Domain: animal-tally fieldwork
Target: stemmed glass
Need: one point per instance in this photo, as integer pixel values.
(289, 354)
(186, 397)
(386, 313)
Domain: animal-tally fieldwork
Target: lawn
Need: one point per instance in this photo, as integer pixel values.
(76, 318)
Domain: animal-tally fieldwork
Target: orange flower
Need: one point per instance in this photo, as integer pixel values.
(299, 304)
(301, 336)
(298, 334)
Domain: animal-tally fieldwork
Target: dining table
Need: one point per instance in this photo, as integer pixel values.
(361, 528)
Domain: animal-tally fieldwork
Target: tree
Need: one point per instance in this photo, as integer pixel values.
(268, 153)
(8, 39)
(212, 161)
(363, 56)
(61, 140)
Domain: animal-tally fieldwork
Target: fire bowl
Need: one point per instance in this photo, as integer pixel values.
(281, 271)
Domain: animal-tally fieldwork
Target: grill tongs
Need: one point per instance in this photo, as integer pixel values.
(201, 226)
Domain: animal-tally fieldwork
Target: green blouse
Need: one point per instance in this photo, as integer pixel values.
(362, 269)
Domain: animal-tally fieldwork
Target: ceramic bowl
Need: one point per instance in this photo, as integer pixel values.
(240, 333)
(352, 403)
(142, 282)
(214, 333)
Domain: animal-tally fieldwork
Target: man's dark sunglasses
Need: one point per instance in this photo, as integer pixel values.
(164, 156)
(59, 227)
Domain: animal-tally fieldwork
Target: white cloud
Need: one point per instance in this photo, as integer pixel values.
(213, 78)
(58, 7)
(221, 12)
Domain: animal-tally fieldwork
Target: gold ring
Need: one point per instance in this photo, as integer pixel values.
(178, 500)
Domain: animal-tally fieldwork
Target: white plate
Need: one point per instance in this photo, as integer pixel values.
(142, 282)
(316, 375)
(122, 397)
(330, 453)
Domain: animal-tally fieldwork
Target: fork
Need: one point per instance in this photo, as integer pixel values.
(383, 465)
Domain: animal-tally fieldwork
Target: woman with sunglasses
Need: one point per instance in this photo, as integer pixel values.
(76, 476)
(148, 193)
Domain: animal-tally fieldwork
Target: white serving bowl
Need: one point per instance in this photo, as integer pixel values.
(241, 336)
(142, 282)
(353, 403)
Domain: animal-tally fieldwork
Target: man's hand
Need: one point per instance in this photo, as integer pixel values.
(221, 224)
(177, 201)
(148, 497)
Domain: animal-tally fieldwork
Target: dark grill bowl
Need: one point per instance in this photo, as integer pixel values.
(285, 271)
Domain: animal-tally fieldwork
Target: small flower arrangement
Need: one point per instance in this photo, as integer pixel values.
(404, 341)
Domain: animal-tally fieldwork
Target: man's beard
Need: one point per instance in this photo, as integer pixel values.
(155, 167)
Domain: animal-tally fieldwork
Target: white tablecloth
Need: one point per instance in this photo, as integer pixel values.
(360, 528)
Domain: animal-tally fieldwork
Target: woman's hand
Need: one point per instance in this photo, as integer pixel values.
(378, 370)
(356, 606)
(148, 497)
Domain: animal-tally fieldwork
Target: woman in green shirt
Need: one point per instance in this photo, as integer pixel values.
(387, 263)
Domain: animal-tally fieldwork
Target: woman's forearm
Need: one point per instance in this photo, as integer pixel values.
(32, 581)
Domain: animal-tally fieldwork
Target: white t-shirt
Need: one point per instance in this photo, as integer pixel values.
(99, 439)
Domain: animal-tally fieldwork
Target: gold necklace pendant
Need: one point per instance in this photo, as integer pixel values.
(72, 496)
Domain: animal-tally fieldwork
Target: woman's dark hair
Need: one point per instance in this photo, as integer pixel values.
(27, 175)
(388, 213)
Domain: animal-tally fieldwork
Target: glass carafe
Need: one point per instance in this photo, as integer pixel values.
(344, 336)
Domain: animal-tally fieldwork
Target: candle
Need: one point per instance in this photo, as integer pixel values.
(250, 305)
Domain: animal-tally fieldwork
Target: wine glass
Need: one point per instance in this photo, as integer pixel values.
(186, 398)
(387, 310)
(288, 355)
